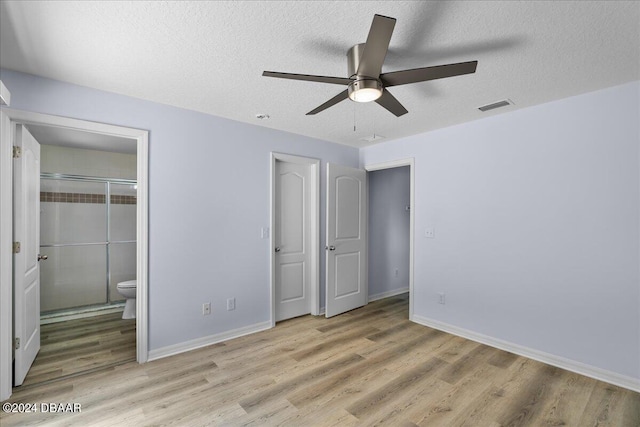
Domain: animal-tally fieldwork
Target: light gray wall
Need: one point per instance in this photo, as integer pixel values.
(208, 199)
(536, 215)
(389, 195)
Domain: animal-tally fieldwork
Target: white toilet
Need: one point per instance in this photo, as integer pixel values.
(128, 290)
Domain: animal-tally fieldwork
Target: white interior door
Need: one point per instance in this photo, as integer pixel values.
(346, 239)
(293, 239)
(26, 230)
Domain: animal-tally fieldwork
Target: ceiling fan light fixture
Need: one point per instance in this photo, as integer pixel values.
(365, 90)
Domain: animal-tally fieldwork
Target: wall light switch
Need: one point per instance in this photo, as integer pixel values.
(429, 233)
(264, 233)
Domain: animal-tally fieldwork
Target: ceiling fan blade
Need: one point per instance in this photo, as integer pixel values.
(333, 101)
(416, 75)
(389, 102)
(308, 77)
(376, 47)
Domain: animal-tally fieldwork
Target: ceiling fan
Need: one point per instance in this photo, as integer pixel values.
(366, 83)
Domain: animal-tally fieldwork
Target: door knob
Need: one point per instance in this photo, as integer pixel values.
(277, 249)
(41, 257)
(331, 248)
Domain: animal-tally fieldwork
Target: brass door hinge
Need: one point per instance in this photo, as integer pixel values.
(17, 152)
(16, 247)
(17, 343)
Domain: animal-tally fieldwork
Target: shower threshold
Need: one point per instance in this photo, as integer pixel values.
(79, 313)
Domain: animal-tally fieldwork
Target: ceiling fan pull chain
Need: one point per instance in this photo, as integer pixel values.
(374, 124)
(354, 117)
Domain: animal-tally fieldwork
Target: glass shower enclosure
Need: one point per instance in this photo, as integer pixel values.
(88, 232)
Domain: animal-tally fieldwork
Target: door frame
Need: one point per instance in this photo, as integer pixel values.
(12, 118)
(395, 164)
(313, 215)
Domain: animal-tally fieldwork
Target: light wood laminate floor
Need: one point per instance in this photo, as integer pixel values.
(370, 366)
(74, 346)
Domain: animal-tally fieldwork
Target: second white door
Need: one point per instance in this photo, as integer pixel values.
(346, 282)
(293, 239)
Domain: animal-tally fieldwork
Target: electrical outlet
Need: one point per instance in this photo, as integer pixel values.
(206, 308)
(441, 298)
(429, 233)
(231, 304)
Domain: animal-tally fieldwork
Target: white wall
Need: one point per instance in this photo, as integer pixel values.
(208, 200)
(389, 195)
(536, 215)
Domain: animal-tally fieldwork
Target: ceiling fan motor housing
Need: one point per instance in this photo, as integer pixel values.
(353, 59)
(361, 85)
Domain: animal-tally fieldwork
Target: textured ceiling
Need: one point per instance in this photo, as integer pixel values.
(209, 56)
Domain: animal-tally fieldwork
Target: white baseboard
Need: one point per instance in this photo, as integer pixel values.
(388, 294)
(550, 359)
(182, 347)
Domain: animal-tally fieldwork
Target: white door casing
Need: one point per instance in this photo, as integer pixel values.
(346, 240)
(292, 239)
(6, 257)
(26, 214)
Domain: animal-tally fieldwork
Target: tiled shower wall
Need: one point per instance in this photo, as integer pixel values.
(76, 212)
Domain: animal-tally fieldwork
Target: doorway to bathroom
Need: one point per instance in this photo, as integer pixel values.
(73, 322)
(87, 248)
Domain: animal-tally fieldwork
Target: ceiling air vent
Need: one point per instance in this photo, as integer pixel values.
(372, 138)
(495, 105)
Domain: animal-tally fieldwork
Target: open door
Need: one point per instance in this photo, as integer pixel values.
(26, 234)
(346, 286)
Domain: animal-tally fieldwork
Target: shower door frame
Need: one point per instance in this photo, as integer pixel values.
(14, 117)
(107, 182)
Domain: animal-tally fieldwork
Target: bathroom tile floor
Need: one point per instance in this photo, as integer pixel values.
(75, 346)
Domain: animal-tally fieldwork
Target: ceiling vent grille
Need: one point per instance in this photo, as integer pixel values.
(495, 105)
(372, 138)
